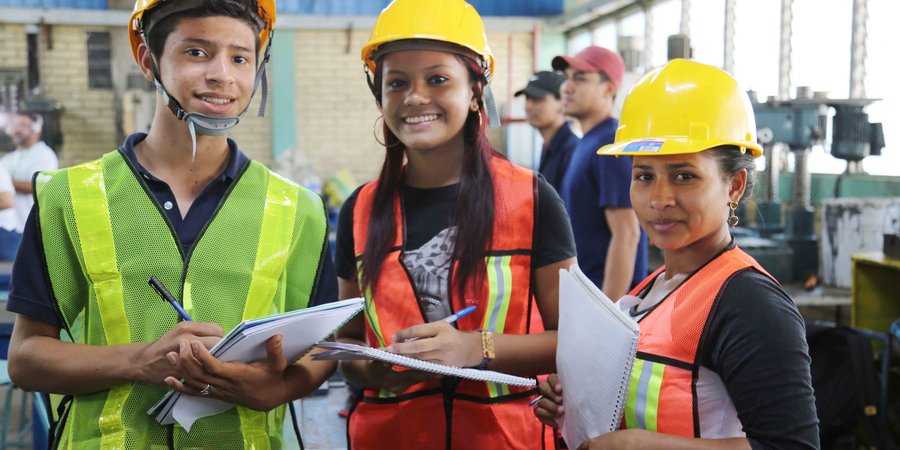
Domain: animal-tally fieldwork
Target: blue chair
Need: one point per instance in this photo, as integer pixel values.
(33, 420)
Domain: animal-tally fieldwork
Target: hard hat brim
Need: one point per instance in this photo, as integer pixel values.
(672, 146)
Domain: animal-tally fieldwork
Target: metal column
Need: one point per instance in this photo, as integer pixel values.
(728, 49)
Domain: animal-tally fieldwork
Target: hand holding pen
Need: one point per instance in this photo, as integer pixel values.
(156, 360)
(452, 318)
(440, 342)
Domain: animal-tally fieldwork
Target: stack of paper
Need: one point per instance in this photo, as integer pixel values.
(595, 350)
(300, 330)
(346, 351)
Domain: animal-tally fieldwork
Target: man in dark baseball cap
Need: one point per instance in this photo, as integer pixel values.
(544, 111)
(612, 250)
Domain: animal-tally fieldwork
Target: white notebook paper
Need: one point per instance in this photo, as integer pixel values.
(346, 351)
(595, 350)
(300, 330)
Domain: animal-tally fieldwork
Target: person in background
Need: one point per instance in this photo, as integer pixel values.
(722, 360)
(229, 238)
(544, 111)
(449, 223)
(612, 249)
(9, 237)
(31, 155)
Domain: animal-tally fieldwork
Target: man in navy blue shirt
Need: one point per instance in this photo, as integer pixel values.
(544, 111)
(612, 249)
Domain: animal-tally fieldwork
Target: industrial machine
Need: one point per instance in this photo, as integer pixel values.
(787, 245)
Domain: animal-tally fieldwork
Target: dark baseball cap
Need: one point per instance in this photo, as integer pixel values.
(543, 83)
(594, 59)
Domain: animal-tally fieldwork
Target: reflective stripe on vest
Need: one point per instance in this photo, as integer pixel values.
(91, 212)
(641, 407)
(499, 292)
(661, 396)
(271, 255)
(371, 315)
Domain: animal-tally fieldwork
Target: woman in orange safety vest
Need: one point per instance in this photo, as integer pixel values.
(448, 224)
(722, 360)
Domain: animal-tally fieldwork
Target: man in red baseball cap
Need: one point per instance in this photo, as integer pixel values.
(612, 249)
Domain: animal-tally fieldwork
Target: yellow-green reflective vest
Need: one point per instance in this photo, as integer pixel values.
(104, 235)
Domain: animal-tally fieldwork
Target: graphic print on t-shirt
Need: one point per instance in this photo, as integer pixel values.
(429, 266)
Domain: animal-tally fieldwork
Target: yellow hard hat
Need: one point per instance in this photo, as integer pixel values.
(265, 10)
(452, 21)
(684, 107)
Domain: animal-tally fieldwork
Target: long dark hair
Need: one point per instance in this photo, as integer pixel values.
(473, 209)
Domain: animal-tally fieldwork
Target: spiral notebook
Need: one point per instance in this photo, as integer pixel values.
(346, 351)
(595, 350)
(300, 329)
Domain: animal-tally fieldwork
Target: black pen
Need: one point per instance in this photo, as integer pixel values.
(167, 296)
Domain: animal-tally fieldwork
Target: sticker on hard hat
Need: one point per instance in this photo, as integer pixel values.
(644, 145)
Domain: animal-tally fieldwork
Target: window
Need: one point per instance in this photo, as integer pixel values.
(34, 71)
(99, 60)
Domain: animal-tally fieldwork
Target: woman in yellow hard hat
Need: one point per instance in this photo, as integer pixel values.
(449, 224)
(722, 356)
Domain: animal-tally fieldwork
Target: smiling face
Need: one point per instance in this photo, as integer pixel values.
(681, 201)
(426, 97)
(208, 64)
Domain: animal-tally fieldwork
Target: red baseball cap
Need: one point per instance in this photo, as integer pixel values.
(594, 59)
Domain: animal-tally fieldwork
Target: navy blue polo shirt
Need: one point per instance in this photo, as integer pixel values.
(30, 293)
(592, 184)
(556, 156)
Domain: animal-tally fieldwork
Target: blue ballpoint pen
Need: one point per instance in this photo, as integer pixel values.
(450, 319)
(459, 314)
(167, 296)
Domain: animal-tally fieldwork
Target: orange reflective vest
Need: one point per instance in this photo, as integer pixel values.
(662, 394)
(452, 413)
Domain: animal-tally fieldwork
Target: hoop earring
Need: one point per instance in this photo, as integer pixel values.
(480, 119)
(732, 217)
(375, 133)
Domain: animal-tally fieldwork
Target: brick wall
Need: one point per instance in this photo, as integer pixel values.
(13, 51)
(336, 111)
(88, 118)
(254, 134)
